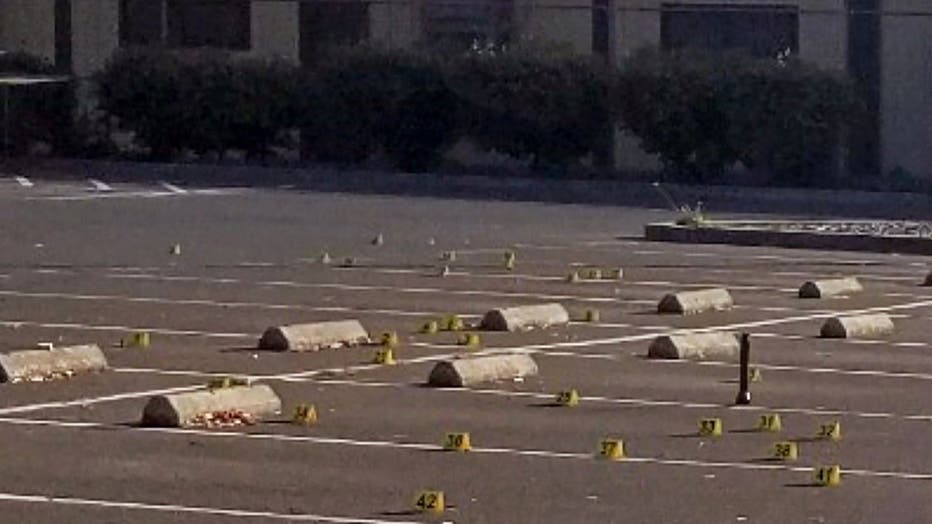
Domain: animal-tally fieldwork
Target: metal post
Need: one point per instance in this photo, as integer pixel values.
(744, 394)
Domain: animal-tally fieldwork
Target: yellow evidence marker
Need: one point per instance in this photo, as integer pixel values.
(509, 260)
(755, 375)
(384, 356)
(572, 277)
(569, 397)
(456, 442)
(429, 502)
(452, 323)
(769, 422)
(710, 427)
(786, 450)
(828, 476)
(304, 414)
(389, 339)
(430, 328)
(226, 382)
(830, 431)
(611, 449)
(140, 339)
(593, 316)
(470, 340)
(613, 274)
(593, 273)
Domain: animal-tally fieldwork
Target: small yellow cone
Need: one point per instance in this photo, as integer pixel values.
(305, 414)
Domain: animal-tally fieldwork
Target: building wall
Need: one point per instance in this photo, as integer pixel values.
(28, 25)
(823, 33)
(275, 29)
(559, 21)
(906, 53)
(95, 31)
(906, 86)
(396, 23)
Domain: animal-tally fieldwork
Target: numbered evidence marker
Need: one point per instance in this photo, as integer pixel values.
(710, 427)
(430, 502)
(769, 422)
(786, 450)
(755, 375)
(226, 382)
(456, 442)
(509, 260)
(304, 414)
(827, 475)
(611, 449)
(452, 323)
(830, 431)
(470, 340)
(139, 339)
(430, 328)
(389, 339)
(569, 397)
(384, 356)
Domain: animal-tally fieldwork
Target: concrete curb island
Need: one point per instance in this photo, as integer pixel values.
(720, 233)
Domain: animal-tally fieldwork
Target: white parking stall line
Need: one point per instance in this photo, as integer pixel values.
(419, 447)
(173, 188)
(124, 329)
(189, 510)
(99, 185)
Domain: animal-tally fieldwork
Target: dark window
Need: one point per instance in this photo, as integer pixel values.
(141, 22)
(186, 23)
(761, 30)
(63, 35)
(325, 24)
(461, 24)
(864, 67)
(209, 23)
(600, 29)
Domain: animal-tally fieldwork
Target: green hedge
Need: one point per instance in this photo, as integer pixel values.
(364, 101)
(201, 101)
(547, 105)
(702, 113)
(39, 112)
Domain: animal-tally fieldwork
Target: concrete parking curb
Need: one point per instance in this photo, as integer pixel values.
(523, 318)
(180, 410)
(859, 326)
(41, 364)
(465, 372)
(830, 288)
(314, 336)
(692, 302)
(695, 346)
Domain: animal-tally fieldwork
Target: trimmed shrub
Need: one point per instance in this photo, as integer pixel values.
(39, 112)
(704, 112)
(364, 101)
(201, 101)
(541, 104)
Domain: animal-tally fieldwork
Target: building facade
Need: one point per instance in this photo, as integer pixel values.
(885, 44)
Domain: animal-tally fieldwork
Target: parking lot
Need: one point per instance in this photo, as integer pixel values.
(81, 263)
